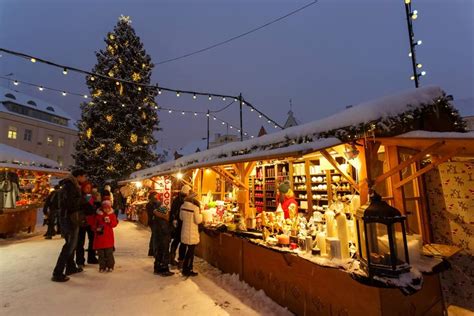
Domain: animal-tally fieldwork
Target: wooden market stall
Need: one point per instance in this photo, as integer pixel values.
(24, 184)
(313, 265)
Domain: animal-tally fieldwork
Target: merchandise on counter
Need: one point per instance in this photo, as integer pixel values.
(330, 224)
(342, 234)
(333, 247)
(321, 242)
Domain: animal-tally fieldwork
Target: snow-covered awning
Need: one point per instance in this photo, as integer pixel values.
(307, 137)
(218, 156)
(14, 158)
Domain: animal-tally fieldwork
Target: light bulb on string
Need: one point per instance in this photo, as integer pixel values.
(207, 114)
(235, 100)
(64, 93)
(407, 1)
(16, 83)
(214, 118)
(260, 116)
(223, 98)
(195, 114)
(33, 60)
(252, 136)
(85, 96)
(40, 88)
(238, 130)
(183, 113)
(139, 88)
(169, 111)
(159, 91)
(223, 123)
(414, 15)
(177, 94)
(156, 107)
(412, 78)
(231, 126)
(123, 105)
(276, 126)
(251, 109)
(423, 73)
(419, 42)
(117, 83)
(64, 71)
(245, 133)
(410, 54)
(419, 66)
(210, 97)
(194, 96)
(92, 78)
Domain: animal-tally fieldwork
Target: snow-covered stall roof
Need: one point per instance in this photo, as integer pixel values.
(11, 157)
(309, 136)
(221, 155)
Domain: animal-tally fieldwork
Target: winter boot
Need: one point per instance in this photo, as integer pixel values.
(60, 278)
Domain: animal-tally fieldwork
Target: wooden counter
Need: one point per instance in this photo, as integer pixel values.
(18, 219)
(309, 289)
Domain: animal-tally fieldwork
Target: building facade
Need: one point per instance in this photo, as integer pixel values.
(37, 127)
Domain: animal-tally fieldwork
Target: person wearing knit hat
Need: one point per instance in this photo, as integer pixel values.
(176, 225)
(103, 223)
(191, 216)
(288, 201)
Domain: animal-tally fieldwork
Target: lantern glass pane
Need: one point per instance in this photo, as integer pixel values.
(360, 224)
(399, 244)
(379, 247)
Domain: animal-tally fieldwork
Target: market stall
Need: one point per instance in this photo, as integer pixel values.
(25, 181)
(294, 216)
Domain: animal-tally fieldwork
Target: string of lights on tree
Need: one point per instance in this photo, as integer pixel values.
(412, 15)
(136, 85)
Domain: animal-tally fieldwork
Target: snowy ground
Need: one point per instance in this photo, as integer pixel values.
(132, 289)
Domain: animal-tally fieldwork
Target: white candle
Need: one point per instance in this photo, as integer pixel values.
(343, 234)
(330, 224)
(321, 242)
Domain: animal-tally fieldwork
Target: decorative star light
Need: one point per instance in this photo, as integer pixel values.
(125, 19)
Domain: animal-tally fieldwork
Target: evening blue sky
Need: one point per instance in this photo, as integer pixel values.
(333, 54)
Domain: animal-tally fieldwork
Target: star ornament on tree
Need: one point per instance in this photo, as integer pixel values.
(125, 19)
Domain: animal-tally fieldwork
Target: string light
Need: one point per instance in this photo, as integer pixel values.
(183, 113)
(419, 66)
(64, 71)
(33, 60)
(419, 42)
(414, 15)
(177, 94)
(16, 83)
(169, 111)
(85, 96)
(64, 93)
(159, 91)
(423, 73)
(123, 105)
(195, 114)
(210, 97)
(223, 98)
(92, 78)
(40, 88)
(194, 96)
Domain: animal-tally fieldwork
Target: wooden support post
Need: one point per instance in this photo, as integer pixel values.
(397, 193)
(432, 165)
(224, 173)
(336, 165)
(394, 169)
(363, 176)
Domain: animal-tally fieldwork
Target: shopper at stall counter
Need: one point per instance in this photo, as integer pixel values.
(177, 223)
(288, 201)
(70, 220)
(190, 214)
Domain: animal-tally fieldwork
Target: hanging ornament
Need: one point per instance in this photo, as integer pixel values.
(133, 138)
(126, 43)
(111, 73)
(143, 66)
(136, 76)
(109, 118)
(120, 61)
(89, 133)
(121, 89)
(138, 166)
(97, 93)
(144, 115)
(110, 168)
(111, 36)
(117, 148)
(145, 140)
(125, 19)
(111, 49)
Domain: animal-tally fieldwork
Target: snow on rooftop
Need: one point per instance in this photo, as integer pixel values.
(362, 113)
(427, 134)
(9, 95)
(14, 155)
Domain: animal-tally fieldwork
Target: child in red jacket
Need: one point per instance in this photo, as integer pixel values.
(102, 224)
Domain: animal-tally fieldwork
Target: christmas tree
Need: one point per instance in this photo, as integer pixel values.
(116, 127)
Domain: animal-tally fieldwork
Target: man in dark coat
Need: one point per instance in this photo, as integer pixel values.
(177, 223)
(50, 212)
(70, 218)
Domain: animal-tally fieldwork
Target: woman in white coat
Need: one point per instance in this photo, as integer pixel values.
(190, 214)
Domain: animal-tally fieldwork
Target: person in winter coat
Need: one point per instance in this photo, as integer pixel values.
(150, 206)
(176, 222)
(88, 208)
(50, 212)
(70, 220)
(190, 214)
(161, 232)
(103, 223)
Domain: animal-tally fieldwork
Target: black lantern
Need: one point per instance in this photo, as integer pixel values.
(382, 239)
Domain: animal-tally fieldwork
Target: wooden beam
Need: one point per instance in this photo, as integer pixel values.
(336, 165)
(408, 162)
(391, 154)
(221, 171)
(249, 168)
(432, 165)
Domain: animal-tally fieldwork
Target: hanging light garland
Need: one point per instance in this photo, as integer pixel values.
(93, 76)
(411, 16)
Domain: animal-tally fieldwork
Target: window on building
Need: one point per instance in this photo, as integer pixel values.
(27, 135)
(49, 139)
(11, 96)
(60, 142)
(33, 103)
(12, 131)
(50, 108)
(60, 161)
